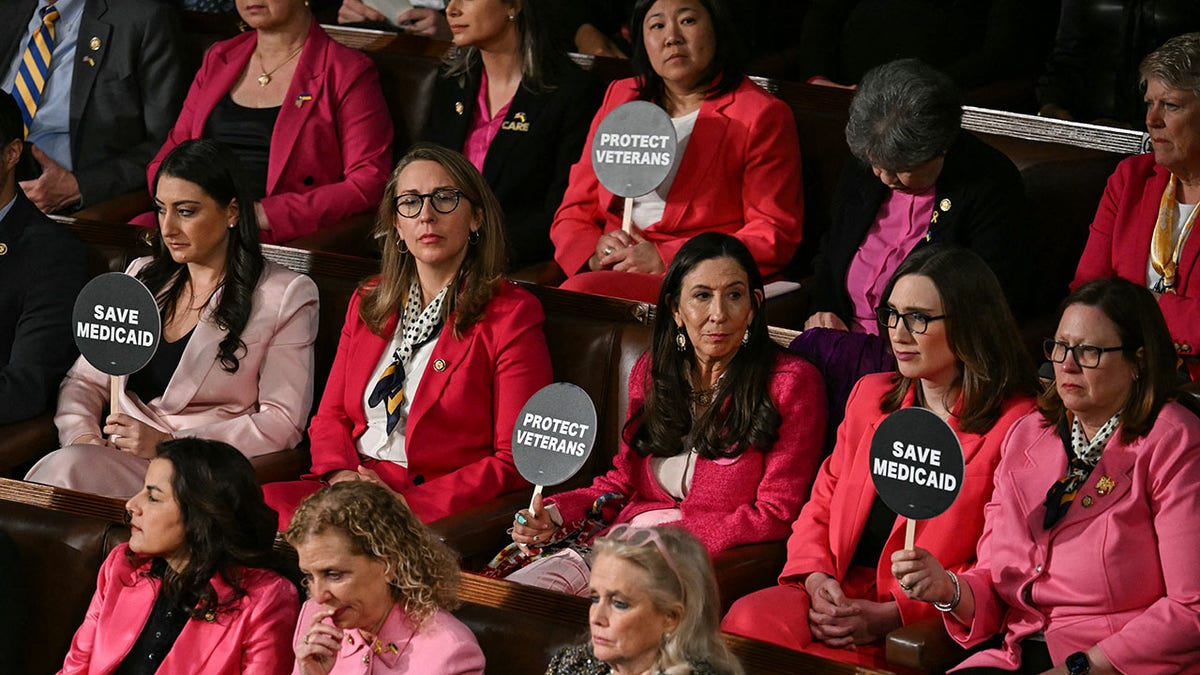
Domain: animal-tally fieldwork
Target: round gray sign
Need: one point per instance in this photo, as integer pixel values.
(916, 463)
(554, 434)
(116, 324)
(633, 149)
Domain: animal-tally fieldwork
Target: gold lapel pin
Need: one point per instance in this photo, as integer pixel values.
(94, 43)
(458, 107)
(3, 248)
(439, 365)
(1105, 485)
(1086, 501)
(945, 204)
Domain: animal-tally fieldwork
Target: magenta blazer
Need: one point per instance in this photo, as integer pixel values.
(1119, 244)
(740, 175)
(1121, 570)
(331, 151)
(444, 646)
(249, 637)
(745, 500)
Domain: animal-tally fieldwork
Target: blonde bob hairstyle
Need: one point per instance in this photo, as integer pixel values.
(681, 575)
(423, 571)
(481, 270)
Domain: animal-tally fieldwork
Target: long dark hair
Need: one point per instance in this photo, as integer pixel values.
(742, 414)
(227, 525)
(216, 170)
(981, 331)
(542, 62)
(723, 75)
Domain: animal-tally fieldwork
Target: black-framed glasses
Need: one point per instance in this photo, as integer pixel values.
(1086, 356)
(916, 322)
(444, 200)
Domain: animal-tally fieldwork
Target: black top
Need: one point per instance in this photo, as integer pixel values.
(150, 382)
(874, 535)
(162, 629)
(247, 131)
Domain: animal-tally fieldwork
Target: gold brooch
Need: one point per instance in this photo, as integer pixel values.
(945, 204)
(1087, 501)
(458, 107)
(439, 365)
(1105, 485)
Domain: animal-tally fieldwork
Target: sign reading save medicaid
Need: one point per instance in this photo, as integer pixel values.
(916, 463)
(554, 434)
(633, 149)
(116, 324)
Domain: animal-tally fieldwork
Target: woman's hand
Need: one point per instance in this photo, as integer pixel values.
(133, 436)
(424, 21)
(317, 652)
(641, 257)
(90, 439)
(921, 576)
(341, 475)
(353, 11)
(532, 527)
(369, 476)
(825, 320)
(841, 622)
(610, 249)
(589, 40)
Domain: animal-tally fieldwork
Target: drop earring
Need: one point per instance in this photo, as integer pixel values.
(680, 340)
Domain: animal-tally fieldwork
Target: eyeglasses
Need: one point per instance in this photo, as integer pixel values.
(444, 200)
(1086, 356)
(916, 322)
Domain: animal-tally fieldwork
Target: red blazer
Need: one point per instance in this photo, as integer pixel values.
(751, 498)
(458, 435)
(330, 155)
(252, 636)
(740, 175)
(1119, 244)
(826, 534)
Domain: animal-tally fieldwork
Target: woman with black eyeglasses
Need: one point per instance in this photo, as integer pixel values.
(958, 354)
(1088, 561)
(437, 355)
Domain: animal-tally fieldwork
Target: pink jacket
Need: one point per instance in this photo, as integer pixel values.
(749, 499)
(251, 637)
(262, 408)
(1121, 570)
(444, 646)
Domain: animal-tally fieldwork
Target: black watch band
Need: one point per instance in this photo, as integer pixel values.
(1078, 664)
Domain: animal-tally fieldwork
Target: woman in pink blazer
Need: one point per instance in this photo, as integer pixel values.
(195, 590)
(437, 356)
(1088, 560)
(959, 354)
(235, 360)
(305, 115)
(738, 173)
(380, 589)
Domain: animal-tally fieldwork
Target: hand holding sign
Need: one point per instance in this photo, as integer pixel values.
(633, 152)
(553, 436)
(117, 326)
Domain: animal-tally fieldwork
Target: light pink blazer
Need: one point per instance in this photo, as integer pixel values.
(250, 637)
(1122, 573)
(262, 408)
(444, 646)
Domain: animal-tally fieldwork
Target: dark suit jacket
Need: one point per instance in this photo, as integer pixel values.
(41, 272)
(122, 106)
(987, 214)
(528, 162)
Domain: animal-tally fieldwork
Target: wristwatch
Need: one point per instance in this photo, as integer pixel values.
(1078, 664)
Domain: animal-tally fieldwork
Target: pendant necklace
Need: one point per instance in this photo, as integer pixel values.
(265, 78)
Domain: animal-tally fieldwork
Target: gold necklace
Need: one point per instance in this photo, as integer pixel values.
(265, 78)
(705, 397)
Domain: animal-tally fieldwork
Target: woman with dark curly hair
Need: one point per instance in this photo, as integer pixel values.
(197, 588)
(236, 356)
(380, 585)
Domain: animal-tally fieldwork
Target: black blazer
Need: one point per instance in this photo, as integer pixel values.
(41, 272)
(529, 161)
(987, 213)
(126, 89)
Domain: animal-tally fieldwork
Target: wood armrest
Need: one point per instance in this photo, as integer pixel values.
(479, 532)
(23, 442)
(546, 273)
(925, 645)
(744, 569)
(283, 465)
(119, 209)
(351, 236)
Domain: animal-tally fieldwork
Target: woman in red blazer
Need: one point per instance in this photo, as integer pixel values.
(738, 173)
(194, 590)
(958, 354)
(437, 355)
(305, 115)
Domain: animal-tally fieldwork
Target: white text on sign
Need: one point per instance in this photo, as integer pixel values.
(633, 149)
(915, 474)
(121, 334)
(554, 440)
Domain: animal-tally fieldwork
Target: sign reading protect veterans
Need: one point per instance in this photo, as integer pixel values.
(554, 434)
(633, 149)
(116, 324)
(916, 463)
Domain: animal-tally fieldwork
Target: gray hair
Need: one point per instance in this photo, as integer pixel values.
(904, 114)
(1176, 64)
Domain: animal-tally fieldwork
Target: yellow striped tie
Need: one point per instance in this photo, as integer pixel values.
(31, 76)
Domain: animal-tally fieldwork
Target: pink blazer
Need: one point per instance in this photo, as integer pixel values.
(826, 534)
(259, 409)
(751, 498)
(331, 151)
(444, 646)
(1121, 570)
(1119, 244)
(740, 175)
(458, 436)
(250, 637)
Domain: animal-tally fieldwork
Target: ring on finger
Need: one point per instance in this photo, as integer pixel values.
(905, 586)
(608, 250)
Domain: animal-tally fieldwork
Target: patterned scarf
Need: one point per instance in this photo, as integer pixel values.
(1082, 456)
(417, 327)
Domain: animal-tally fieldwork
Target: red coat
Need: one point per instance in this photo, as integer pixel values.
(458, 436)
(740, 175)
(1119, 244)
(330, 155)
(826, 534)
(745, 500)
